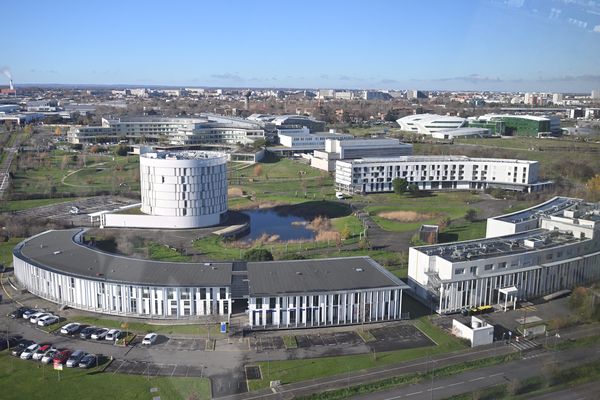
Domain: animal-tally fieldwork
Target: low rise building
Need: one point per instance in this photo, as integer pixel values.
(427, 124)
(302, 140)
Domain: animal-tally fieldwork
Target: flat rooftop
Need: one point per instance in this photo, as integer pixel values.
(499, 246)
(183, 155)
(57, 251)
(554, 206)
(325, 275)
(436, 159)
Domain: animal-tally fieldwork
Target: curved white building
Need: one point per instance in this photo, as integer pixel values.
(180, 190)
(426, 124)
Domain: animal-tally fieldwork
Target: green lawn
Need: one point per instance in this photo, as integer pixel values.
(143, 328)
(161, 252)
(289, 371)
(6, 249)
(442, 204)
(26, 380)
(463, 230)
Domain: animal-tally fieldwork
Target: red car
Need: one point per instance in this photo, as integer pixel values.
(62, 356)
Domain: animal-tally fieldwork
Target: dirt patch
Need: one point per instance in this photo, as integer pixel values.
(408, 216)
(235, 192)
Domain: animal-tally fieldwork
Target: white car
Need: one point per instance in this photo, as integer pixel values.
(41, 351)
(34, 318)
(100, 334)
(49, 356)
(113, 334)
(48, 320)
(70, 328)
(149, 339)
(28, 352)
(339, 196)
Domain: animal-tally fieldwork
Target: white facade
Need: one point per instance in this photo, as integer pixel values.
(563, 253)
(426, 124)
(336, 149)
(301, 139)
(478, 332)
(326, 309)
(462, 133)
(180, 190)
(375, 175)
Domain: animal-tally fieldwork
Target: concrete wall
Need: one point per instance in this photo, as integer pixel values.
(479, 333)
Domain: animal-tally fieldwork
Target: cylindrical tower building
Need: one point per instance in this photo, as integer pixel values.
(187, 187)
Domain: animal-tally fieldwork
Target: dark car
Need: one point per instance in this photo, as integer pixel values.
(62, 356)
(7, 342)
(89, 361)
(86, 333)
(75, 358)
(18, 313)
(20, 347)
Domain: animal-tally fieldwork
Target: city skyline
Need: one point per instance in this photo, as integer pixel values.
(512, 45)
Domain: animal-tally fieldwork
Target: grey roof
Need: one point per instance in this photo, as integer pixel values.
(324, 275)
(551, 207)
(56, 251)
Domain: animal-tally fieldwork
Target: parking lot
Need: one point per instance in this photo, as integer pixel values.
(329, 339)
(133, 367)
(398, 337)
(86, 206)
(177, 344)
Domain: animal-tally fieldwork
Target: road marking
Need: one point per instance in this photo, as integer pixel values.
(498, 374)
(477, 379)
(438, 388)
(455, 384)
(413, 393)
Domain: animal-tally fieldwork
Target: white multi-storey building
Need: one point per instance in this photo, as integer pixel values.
(180, 190)
(336, 149)
(376, 175)
(207, 129)
(59, 267)
(562, 253)
(426, 124)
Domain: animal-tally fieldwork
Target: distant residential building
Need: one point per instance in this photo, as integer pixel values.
(375, 95)
(557, 98)
(592, 113)
(576, 113)
(344, 95)
(376, 175)
(595, 94)
(312, 124)
(326, 94)
(416, 94)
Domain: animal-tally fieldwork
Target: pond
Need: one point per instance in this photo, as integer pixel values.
(285, 225)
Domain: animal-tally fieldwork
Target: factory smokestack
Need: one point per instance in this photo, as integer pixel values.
(10, 85)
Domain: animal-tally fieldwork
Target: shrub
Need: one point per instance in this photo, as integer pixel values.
(258, 255)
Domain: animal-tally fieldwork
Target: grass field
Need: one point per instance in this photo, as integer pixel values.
(6, 249)
(30, 380)
(289, 371)
(56, 173)
(443, 204)
(463, 230)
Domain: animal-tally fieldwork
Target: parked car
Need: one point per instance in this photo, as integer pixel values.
(99, 334)
(86, 333)
(28, 313)
(49, 356)
(71, 328)
(62, 356)
(48, 320)
(76, 356)
(28, 352)
(37, 316)
(39, 353)
(149, 339)
(113, 334)
(89, 361)
(20, 347)
(8, 342)
(18, 313)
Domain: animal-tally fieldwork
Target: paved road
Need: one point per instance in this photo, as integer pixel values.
(485, 377)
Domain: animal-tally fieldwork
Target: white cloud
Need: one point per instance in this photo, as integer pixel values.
(597, 29)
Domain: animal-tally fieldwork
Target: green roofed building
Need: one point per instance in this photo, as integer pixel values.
(515, 125)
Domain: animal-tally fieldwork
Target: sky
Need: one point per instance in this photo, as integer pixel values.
(506, 45)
